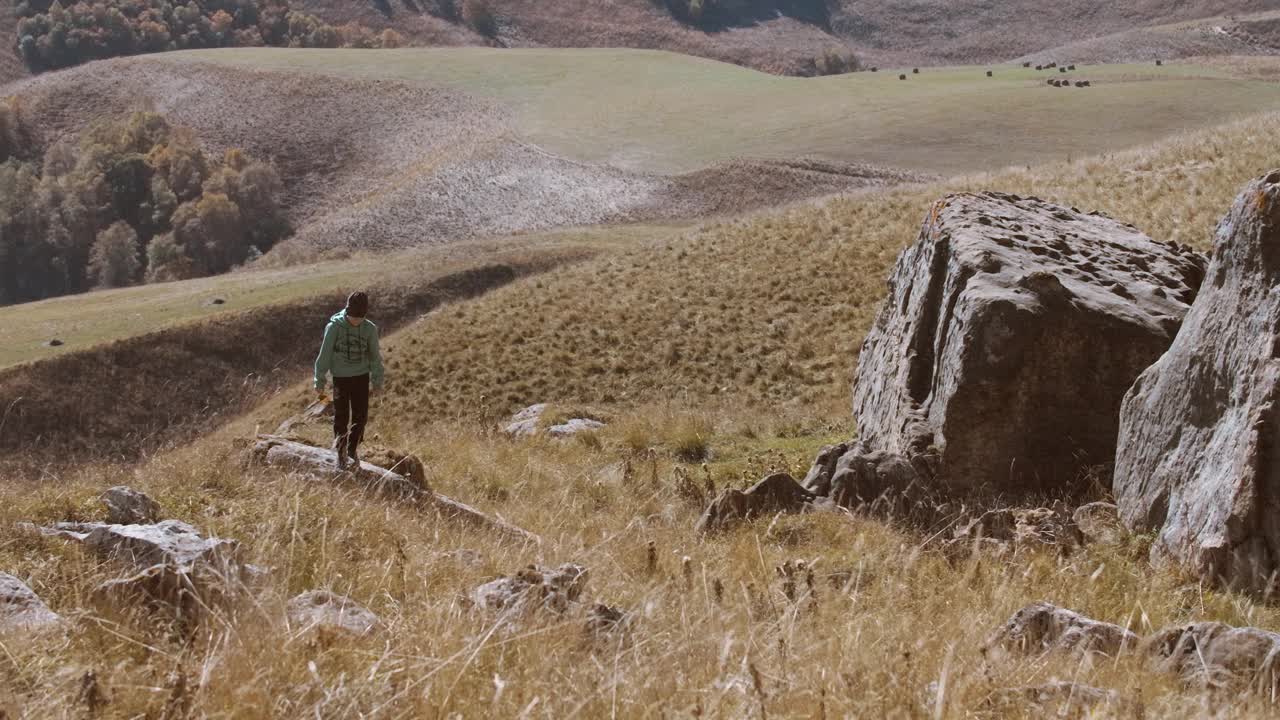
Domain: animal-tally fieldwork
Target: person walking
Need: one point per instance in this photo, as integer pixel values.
(350, 353)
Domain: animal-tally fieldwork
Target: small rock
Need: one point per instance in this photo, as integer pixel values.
(1213, 654)
(525, 422)
(774, 494)
(1099, 523)
(126, 506)
(529, 422)
(1061, 699)
(55, 342)
(324, 609)
(534, 587)
(574, 427)
(218, 301)
(21, 608)
(1044, 627)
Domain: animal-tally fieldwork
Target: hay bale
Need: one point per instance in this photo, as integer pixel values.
(989, 73)
(915, 71)
(902, 76)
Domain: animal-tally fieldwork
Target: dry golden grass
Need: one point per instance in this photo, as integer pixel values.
(735, 342)
(905, 619)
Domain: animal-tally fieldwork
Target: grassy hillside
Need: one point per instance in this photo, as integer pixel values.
(889, 617)
(84, 321)
(770, 311)
(667, 113)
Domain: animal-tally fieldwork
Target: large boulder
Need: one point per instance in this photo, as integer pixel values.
(21, 608)
(1011, 332)
(1197, 456)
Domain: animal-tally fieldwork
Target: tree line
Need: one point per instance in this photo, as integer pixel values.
(51, 35)
(127, 201)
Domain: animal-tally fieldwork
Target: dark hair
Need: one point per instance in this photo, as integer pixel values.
(358, 305)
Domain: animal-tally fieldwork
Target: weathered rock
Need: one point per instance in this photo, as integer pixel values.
(172, 543)
(883, 478)
(526, 422)
(1012, 329)
(534, 587)
(777, 493)
(126, 506)
(1044, 627)
(171, 562)
(1061, 699)
(321, 609)
(1213, 654)
(1099, 523)
(318, 464)
(529, 422)
(1198, 457)
(21, 608)
(573, 427)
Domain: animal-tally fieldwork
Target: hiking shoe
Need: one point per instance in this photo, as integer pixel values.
(342, 457)
(355, 459)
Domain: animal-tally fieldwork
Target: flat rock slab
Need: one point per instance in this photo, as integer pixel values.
(321, 609)
(21, 608)
(1011, 331)
(1044, 627)
(1198, 453)
(320, 465)
(171, 543)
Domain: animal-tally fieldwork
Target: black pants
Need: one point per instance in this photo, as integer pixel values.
(350, 410)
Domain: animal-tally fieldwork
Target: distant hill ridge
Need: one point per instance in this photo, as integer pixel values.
(791, 36)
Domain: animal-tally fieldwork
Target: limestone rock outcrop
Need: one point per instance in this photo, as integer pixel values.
(170, 563)
(21, 608)
(1011, 332)
(1198, 458)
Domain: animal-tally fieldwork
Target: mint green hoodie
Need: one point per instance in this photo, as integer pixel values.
(349, 351)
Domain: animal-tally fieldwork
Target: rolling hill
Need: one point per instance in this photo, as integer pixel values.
(398, 148)
(766, 35)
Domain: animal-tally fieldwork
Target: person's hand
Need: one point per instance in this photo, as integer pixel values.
(375, 392)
